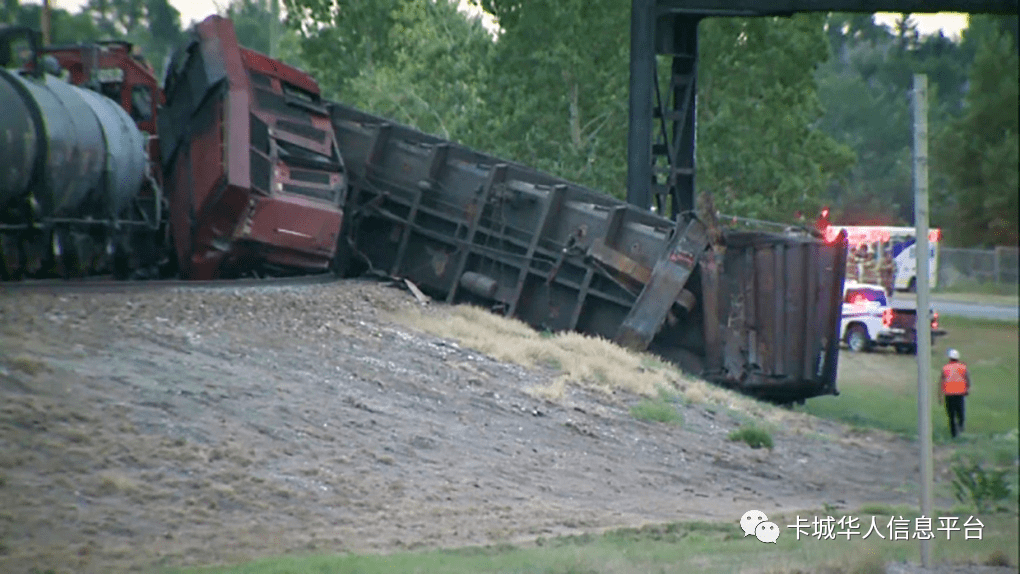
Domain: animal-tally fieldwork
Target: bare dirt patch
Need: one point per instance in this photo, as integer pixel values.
(203, 426)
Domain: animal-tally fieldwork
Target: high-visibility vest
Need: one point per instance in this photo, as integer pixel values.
(954, 378)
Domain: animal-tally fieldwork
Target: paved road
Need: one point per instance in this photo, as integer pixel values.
(963, 309)
(977, 311)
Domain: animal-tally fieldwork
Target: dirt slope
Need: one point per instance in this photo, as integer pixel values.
(192, 427)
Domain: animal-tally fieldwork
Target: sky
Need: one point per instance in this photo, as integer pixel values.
(196, 10)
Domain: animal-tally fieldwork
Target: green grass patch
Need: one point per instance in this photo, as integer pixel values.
(879, 389)
(28, 365)
(965, 286)
(705, 547)
(662, 409)
(754, 436)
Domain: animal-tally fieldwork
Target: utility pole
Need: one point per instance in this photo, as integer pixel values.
(45, 22)
(274, 29)
(923, 302)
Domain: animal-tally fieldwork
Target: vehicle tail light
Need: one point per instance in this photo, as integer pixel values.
(887, 317)
(935, 320)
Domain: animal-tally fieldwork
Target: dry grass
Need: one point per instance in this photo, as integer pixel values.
(111, 483)
(583, 361)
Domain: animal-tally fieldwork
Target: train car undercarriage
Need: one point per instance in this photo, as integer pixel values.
(756, 312)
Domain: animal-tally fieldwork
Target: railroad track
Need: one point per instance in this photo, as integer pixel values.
(107, 285)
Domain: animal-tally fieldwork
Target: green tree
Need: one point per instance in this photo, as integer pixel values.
(558, 99)
(162, 35)
(340, 41)
(439, 59)
(152, 25)
(546, 95)
(978, 153)
(866, 90)
(562, 102)
(252, 22)
(759, 150)
(9, 11)
(65, 28)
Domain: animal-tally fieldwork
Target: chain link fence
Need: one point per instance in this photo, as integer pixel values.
(999, 265)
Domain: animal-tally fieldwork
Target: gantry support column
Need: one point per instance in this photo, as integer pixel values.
(663, 113)
(642, 93)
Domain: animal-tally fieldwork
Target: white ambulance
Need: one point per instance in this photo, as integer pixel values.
(901, 241)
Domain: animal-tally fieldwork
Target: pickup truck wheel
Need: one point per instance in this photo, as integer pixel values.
(857, 339)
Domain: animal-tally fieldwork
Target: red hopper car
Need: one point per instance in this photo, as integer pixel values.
(252, 171)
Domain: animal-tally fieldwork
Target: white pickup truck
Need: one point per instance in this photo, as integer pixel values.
(870, 320)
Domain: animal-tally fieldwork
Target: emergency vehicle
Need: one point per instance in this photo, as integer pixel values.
(870, 319)
(901, 242)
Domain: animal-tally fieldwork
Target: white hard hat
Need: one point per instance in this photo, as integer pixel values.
(954, 354)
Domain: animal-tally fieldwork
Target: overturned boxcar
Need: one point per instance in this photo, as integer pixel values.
(756, 312)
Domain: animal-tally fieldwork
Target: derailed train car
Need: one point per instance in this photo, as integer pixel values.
(260, 172)
(756, 312)
(253, 175)
(236, 173)
(77, 192)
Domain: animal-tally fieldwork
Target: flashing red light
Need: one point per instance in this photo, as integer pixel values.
(858, 236)
(887, 317)
(935, 320)
(858, 300)
(830, 233)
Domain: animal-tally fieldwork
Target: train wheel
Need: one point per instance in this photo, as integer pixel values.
(90, 253)
(65, 255)
(168, 265)
(38, 261)
(12, 260)
(125, 255)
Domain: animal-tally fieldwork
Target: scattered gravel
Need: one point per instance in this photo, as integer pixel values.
(203, 426)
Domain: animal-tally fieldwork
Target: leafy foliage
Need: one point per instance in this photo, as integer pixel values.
(153, 25)
(440, 60)
(979, 151)
(340, 41)
(542, 93)
(866, 89)
(558, 99)
(64, 26)
(985, 489)
(252, 19)
(759, 151)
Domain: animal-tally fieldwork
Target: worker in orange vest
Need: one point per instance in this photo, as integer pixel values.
(953, 387)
